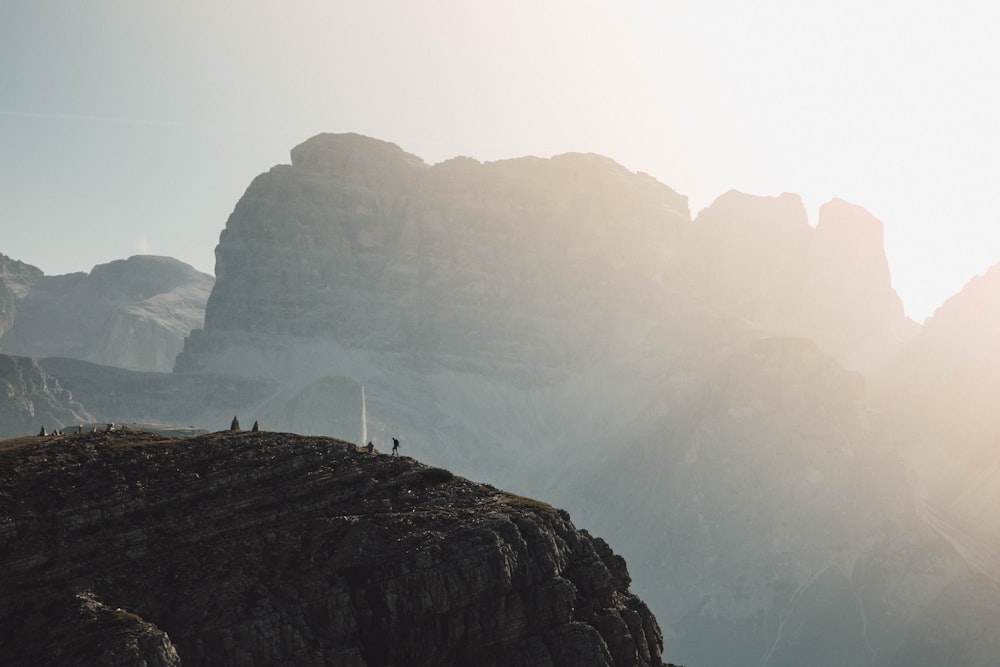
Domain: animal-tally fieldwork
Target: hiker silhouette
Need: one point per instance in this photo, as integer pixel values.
(395, 447)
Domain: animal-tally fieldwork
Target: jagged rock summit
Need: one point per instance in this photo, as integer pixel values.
(268, 548)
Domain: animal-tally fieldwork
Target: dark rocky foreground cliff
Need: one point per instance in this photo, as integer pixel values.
(240, 548)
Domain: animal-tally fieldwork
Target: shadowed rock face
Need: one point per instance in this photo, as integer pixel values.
(515, 267)
(31, 399)
(130, 313)
(266, 548)
(16, 279)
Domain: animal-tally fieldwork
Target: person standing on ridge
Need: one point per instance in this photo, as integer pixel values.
(395, 447)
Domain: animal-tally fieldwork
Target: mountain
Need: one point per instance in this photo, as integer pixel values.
(488, 268)
(30, 400)
(16, 279)
(131, 313)
(941, 393)
(760, 260)
(266, 548)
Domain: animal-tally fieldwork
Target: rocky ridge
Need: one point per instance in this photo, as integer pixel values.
(269, 548)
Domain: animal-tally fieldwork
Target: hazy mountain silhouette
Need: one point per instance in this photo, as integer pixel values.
(941, 392)
(132, 313)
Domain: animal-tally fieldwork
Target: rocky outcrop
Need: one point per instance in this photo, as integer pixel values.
(16, 279)
(130, 313)
(30, 399)
(264, 548)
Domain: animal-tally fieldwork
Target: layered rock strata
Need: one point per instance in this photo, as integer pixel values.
(265, 548)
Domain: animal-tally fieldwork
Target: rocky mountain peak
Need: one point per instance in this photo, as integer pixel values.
(141, 277)
(740, 216)
(356, 160)
(343, 246)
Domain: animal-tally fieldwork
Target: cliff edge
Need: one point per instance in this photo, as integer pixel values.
(271, 548)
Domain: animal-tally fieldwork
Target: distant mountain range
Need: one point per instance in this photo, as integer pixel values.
(132, 313)
(795, 472)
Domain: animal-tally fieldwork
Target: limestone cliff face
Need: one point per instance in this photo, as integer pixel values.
(361, 243)
(528, 267)
(265, 548)
(16, 279)
(31, 399)
(130, 313)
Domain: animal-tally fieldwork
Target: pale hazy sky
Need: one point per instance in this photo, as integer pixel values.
(134, 127)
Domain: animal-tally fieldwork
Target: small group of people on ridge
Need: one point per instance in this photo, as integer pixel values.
(370, 447)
